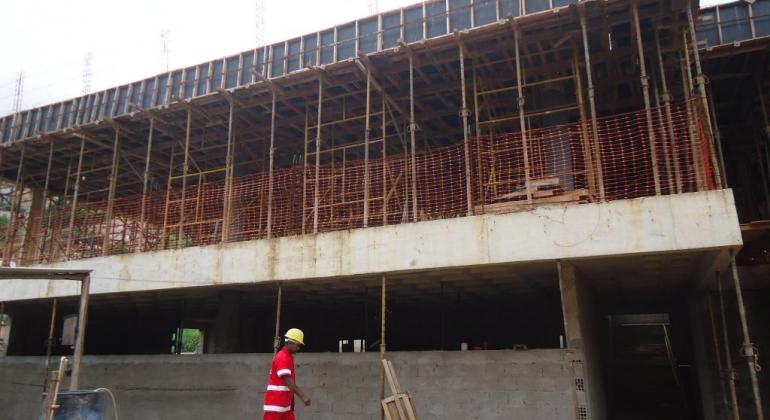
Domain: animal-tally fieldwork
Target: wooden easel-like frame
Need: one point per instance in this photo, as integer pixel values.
(398, 406)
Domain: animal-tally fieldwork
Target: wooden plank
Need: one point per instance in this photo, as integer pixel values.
(510, 206)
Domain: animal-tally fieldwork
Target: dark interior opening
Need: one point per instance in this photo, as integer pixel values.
(488, 308)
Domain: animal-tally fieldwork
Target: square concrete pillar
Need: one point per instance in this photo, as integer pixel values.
(582, 327)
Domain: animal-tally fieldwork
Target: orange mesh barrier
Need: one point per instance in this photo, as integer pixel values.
(562, 164)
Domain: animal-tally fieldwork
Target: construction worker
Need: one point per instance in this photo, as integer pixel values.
(279, 398)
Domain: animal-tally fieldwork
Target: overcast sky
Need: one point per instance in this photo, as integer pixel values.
(48, 39)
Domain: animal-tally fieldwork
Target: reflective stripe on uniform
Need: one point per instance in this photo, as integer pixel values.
(277, 388)
(277, 408)
(283, 372)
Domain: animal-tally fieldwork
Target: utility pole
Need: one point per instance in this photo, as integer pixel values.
(261, 21)
(18, 94)
(87, 72)
(374, 7)
(165, 43)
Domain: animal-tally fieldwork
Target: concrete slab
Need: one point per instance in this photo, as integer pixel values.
(652, 225)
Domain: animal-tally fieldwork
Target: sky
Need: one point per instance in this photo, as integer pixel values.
(49, 39)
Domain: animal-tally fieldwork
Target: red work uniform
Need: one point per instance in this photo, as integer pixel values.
(279, 399)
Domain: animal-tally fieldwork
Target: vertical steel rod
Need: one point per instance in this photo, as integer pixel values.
(692, 117)
(367, 130)
(18, 193)
(49, 343)
(46, 199)
(412, 132)
(592, 104)
(748, 348)
(646, 94)
(587, 155)
(227, 200)
(718, 139)
(304, 172)
(666, 97)
(383, 346)
(730, 372)
(270, 171)
(464, 113)
(165, 241)
(717, 352)
(185, 168)
(316, 198)
(522, 121)
(145, 182)
(278, 304)
(111, 194)
(74, 203)
(384, 164)
(701, 81)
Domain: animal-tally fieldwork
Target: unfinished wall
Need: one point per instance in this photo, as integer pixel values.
(581, 322)
(530, 385)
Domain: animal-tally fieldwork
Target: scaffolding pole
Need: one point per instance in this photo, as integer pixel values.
(226, 203)
(413, 140)
(185, 165)
(701, 81)
(316, 180)
(165, 241)
(278, 304)
(465, 113)
(587, 156)
(270, 172)
(18, 192)
(46, 199)
(367, 131)
(304, 172)
(522, 121)
(145, 181)
(74, 202)
(384, 165)
(383, 346)
(53, 249)
(749, 352)
(666, 97)
(718, 140)
(592, 104)
(717, 352)
(646, 94)
(111, 194)
(692, 117)
(730, 372)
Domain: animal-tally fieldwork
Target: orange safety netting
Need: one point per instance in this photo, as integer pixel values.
(562, 164)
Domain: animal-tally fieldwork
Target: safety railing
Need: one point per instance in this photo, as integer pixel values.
(565, 164)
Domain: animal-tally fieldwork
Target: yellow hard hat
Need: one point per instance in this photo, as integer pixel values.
(296, 335)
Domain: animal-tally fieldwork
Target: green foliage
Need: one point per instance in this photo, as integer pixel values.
(191, 340)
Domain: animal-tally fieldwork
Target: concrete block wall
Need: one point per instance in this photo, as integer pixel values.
(532, 385)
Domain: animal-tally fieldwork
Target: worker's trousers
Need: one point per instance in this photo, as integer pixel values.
(279, 416)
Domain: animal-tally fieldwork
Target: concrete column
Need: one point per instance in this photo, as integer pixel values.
(581, 326)
(703, 344)
(30, 248)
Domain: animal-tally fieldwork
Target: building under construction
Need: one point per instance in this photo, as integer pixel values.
(575, 192)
